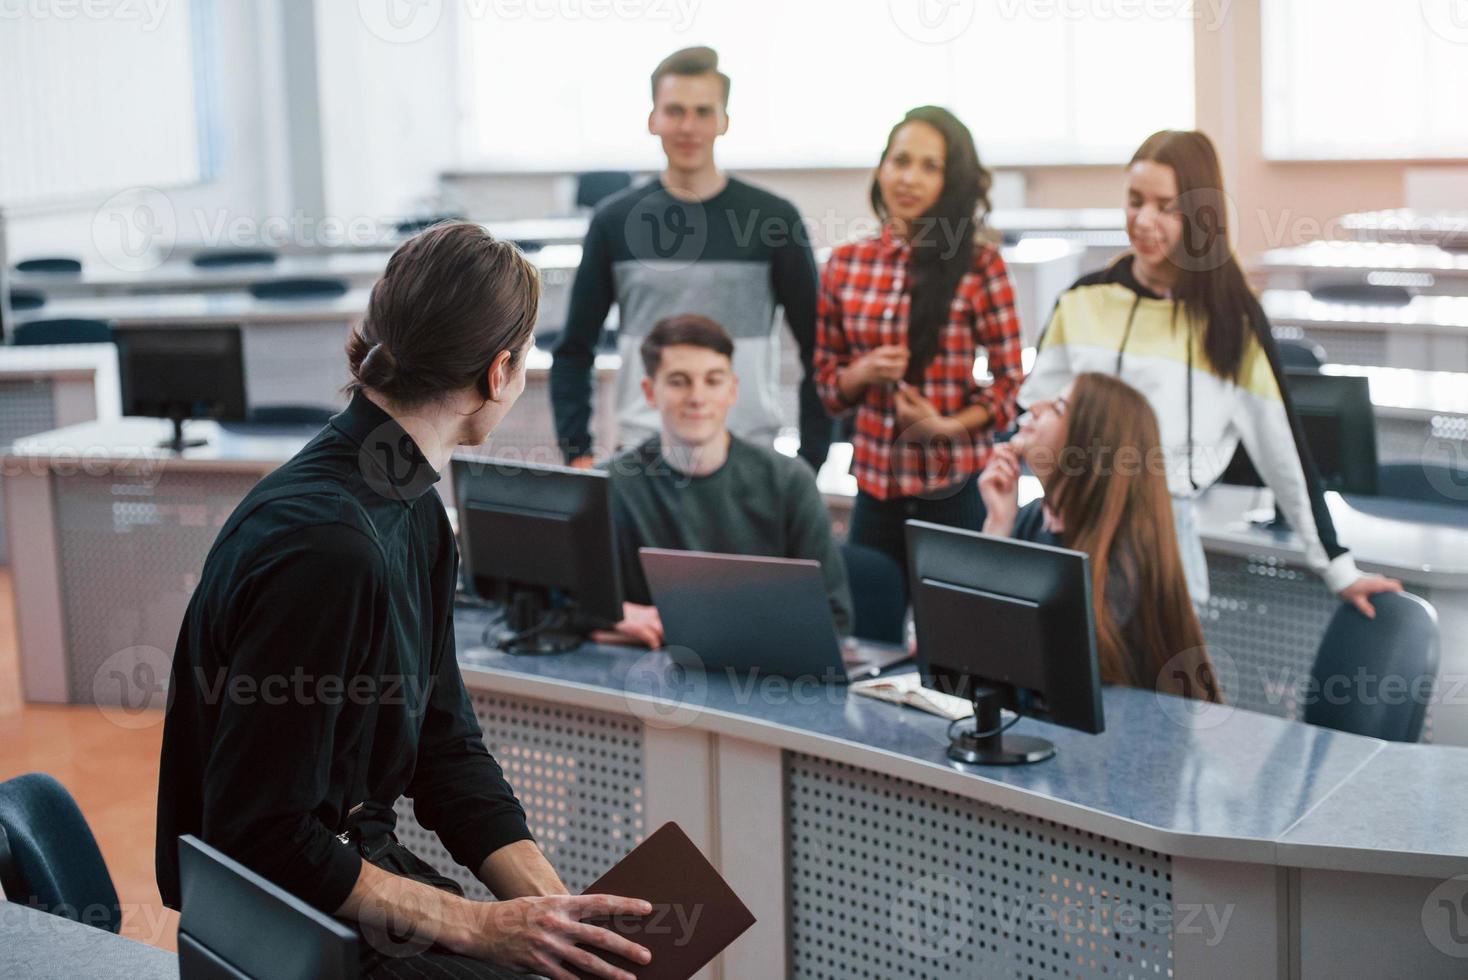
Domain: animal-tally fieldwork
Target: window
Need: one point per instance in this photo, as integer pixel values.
(98, 98)
(1365, 79)
(820, 82)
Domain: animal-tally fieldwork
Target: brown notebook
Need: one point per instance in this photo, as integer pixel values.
(695, 914)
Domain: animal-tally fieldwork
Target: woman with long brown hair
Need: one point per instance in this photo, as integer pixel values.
(1174, 318)
(1096, 451)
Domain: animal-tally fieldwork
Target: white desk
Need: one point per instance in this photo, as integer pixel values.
(1446, 228)
(1422, 269)
(1430, 333)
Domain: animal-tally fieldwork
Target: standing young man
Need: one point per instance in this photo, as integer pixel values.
(694, 240)
(696, 487)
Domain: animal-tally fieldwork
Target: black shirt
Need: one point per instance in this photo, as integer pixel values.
(315, 671)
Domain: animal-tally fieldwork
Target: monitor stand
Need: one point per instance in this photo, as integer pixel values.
(535, 628)
(986, 746)
(178, 443)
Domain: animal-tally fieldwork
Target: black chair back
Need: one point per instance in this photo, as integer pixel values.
(51, 860)
(1300, 355)
(26, 299)
(298, 288)
(595, 186)
(236, 925)
(878, 594)
(51, 266)
(229, 257)
(1398, 649)
(63, 330)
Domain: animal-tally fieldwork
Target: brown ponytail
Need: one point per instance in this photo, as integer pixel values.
(451, 300)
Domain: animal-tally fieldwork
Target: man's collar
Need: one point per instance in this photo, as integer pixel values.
(388, 457)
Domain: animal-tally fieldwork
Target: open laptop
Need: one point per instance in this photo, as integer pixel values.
(752, 613)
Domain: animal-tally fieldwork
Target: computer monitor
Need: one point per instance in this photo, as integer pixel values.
(1005, 624)
(1338, 424)
(180, 373)
(539, 540)
(236, 925)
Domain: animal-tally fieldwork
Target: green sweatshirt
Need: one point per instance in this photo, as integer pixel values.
(758, 503)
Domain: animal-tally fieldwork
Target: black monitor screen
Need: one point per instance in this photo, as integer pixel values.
(183, 373)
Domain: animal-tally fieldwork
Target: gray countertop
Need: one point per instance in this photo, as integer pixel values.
(1360, 257)
(1224, 784)
(36, 945)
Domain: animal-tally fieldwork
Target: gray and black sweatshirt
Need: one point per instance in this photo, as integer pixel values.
(734, 258)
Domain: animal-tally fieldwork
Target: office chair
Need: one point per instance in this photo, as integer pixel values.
(412, 226)
(1431, 483)
(63, 330)
(1300, 355)
(298, 288)
(236, 925)
(1401, 643)
(878, 594)
(595, 186)
(289, 415)
(50, 860)
(26, 299)
(229, 257)
(1362, 292)
(57, 265)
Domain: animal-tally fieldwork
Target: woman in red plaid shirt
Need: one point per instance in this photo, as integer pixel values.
(903, 316)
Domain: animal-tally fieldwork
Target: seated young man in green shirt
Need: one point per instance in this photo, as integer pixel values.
(697, 487)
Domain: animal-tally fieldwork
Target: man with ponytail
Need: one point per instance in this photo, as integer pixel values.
(315, 680)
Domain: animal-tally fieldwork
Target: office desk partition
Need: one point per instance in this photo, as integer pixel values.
(1422, 269)
(1421, 416)
(1429, 334)
(1178, 843)
(44, 388)
(114, 532)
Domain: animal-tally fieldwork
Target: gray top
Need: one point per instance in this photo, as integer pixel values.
(758, 503)
(1226, 784)
(39, 946)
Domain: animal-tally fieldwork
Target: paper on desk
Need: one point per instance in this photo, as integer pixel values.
(908, 689)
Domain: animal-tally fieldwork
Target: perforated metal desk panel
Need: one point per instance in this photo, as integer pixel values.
(865, 853)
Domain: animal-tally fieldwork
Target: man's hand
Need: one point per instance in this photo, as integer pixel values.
(640, 626)
(999, 489)
(1359, 592)
(540, 935)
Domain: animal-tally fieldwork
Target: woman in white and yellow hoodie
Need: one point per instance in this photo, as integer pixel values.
(1175, 319)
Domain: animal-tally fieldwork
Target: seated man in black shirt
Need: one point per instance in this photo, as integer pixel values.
(697, 487)
(315, 680)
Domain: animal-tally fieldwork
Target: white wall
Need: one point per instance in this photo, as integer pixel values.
(389, 112)
(252, 183)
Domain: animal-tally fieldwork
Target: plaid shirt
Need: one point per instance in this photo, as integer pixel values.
(863, 305)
